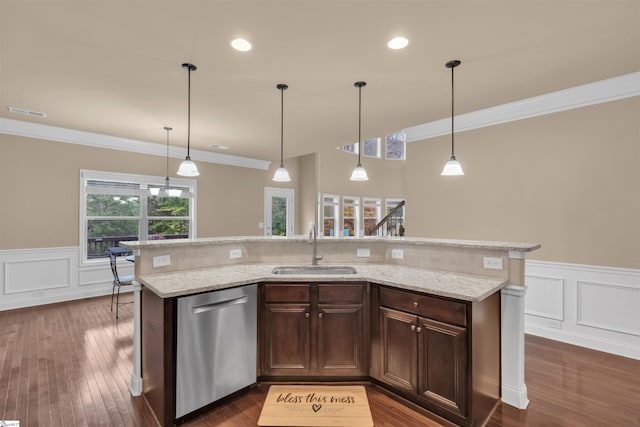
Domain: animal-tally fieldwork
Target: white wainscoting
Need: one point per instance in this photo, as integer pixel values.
(590, 306)
(30, 277)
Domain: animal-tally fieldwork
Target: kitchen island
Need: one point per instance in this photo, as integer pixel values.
(430, 299)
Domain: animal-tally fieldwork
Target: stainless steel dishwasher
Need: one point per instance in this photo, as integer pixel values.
(215, 346)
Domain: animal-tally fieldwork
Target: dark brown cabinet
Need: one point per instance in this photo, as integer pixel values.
(425, 357)
(314, 330)
(426, 351)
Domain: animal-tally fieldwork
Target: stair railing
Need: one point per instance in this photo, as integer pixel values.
(383, 228)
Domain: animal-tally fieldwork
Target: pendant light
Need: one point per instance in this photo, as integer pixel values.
(359, 174)
(187, 167)
(452, 167)
(281, 175)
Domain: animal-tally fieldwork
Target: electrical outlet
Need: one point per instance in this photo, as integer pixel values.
(397, 254)
(493, 263)
(235, 253)
(161, 261)
(363, 252)
(555, 324)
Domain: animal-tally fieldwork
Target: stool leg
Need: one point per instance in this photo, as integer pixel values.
(117, 301)
(113, 291)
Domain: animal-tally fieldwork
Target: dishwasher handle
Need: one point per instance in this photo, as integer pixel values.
(217, 305)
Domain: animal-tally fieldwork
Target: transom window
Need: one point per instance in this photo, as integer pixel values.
(121, 207)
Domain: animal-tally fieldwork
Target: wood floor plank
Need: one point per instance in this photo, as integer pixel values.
(70, 364)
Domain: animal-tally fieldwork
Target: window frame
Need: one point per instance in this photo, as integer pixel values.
(404, 146)
(144, 182)
(336, 211)
(395, 202)
(356, 215)
(377, 201)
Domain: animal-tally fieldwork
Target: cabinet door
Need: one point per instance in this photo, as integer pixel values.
(399, 348)
(442, 366)
(341, 339)
(287, 339)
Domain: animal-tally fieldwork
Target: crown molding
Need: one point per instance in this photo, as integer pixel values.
(625, 86)
(71, 136)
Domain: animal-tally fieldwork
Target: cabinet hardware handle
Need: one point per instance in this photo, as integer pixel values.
(320, 315)
(415, 303)
(413, 328)
(306, 315)
(418, 329)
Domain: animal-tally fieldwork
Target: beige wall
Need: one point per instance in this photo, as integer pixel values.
(39, 191)
(570, 181)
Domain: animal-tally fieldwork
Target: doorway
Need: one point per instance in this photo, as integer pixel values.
(278, 212)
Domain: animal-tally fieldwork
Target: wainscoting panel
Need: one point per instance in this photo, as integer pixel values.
(545, 297)
(600, 305)
(30, 277)
(606, 306)
(36, 275)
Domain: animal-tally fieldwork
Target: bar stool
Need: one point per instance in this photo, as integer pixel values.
(118, 281)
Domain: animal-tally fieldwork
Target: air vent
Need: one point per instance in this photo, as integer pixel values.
(27, 112)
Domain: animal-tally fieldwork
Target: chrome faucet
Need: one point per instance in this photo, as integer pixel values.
(313, 239)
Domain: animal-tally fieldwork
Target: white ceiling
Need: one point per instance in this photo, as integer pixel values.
(114, 67)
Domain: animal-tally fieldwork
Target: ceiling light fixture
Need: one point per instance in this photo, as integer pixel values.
(398, 43)
(281, 175)
(241, 45)
(187, 167)
(452, 167)
(359, 173)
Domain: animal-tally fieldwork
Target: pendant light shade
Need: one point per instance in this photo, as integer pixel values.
(282, 175)
(452, 167)
(187, 167)
(359, 173)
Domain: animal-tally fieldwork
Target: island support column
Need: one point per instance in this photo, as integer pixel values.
(514, 389)
(135, 387)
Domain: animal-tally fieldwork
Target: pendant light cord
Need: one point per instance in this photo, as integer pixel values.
(189, 115)
(452, 115)
(167, 128)
(359, 86)
(282, 126)
(359, 123)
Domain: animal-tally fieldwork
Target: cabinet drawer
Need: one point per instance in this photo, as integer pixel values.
(287, 293)
(424, 305)
(340, 293)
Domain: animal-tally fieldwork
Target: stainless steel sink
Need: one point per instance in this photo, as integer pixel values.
(315, 269)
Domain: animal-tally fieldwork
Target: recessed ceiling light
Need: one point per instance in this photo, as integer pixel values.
(241, 44)
(219, 147)
(398, 43)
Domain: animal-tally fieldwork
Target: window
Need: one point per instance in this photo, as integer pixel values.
(395, 225)
(350, 216)
(330, 210)
(395, 146)
(371, 148)
(120, 207)
(372, 208)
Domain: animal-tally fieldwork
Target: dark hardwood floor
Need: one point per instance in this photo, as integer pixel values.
(69, 364)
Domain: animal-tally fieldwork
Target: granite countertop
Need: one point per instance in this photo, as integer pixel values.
(442, 283)
(419, 241)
